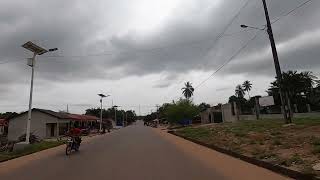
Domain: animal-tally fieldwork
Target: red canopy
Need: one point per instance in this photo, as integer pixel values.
(78, 117)
(3, 122)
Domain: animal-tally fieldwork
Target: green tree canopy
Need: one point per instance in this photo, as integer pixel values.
(188, 90)
(239, 92)
(247, 87)
(203, 106)
(296, 84)
(181, 110)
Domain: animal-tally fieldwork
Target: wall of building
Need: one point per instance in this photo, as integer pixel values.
(205, 116)
(17, 126)
(279, 116)
(208, 116)
(228, 115)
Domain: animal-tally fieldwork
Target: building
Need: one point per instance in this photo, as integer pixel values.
(47, 123)
(211, 115)
(3, 126)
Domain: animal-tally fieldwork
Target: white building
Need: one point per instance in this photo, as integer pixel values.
(46, 123)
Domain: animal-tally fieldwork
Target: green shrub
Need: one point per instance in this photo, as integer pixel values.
(276, 142)
(295, 159)
(316, 149)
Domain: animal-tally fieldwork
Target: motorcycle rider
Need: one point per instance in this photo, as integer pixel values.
(75, 133)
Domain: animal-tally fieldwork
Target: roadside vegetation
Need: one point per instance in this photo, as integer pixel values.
(295, 146)
(32, 148)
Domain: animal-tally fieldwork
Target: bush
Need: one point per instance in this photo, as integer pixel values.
(316, 149)
(276, 142)
(181, 111)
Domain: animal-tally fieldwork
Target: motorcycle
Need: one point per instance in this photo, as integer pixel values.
(72, 144)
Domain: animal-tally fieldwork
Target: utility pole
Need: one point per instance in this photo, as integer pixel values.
(157, 111)
(123, 122)
(139, 110)
(276, 63)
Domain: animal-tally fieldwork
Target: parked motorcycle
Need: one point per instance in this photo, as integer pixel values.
(72, 144)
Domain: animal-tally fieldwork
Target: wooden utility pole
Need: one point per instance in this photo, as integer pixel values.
(286, 116)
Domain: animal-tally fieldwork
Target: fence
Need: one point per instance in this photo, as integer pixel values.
(231, 113)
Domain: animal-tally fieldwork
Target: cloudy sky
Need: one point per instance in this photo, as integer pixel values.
(142, 51)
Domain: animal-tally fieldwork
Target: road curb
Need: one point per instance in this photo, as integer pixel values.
(275, 168)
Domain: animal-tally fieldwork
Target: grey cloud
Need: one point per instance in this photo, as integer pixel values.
(182, 44)
(192, 56)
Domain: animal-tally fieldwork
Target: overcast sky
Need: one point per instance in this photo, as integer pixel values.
(141, 52)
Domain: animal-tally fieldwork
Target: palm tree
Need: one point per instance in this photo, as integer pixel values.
(247, 87)
(188, 90)
(239, 91)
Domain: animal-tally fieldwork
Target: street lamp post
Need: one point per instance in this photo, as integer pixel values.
(115, 113)
(101, 97)
(37, 50)
(275, 59)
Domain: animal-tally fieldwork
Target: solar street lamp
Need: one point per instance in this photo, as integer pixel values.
(37, 50)
(101, 97)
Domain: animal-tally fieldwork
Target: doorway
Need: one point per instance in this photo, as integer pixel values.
(51, 129)
(217, 117)
(210, 118)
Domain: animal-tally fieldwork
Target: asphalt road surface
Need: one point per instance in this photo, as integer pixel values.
(132, 153)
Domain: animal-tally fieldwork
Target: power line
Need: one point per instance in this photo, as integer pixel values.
(227, 27)
(228, 61)
(243, 47)
(223, 32)
(291, 11)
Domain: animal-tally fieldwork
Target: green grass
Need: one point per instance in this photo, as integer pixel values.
(241, 129)
(316, 149)
(295, 159)
(29, 150)
(195, 133)
(307, 121)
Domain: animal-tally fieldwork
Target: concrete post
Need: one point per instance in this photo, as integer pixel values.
(309, 108)
(222, 112)
(295, 108)
(57, 128)
(236, 110)
(257, 107)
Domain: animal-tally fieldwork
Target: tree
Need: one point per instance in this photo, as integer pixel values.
(295, 84)
(7, 115)
(203, 106)
(239, 92)
(247, 87)
(181, 110)
(188, 90)
(130, 116)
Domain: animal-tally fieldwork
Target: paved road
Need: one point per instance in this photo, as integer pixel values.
(132, 153)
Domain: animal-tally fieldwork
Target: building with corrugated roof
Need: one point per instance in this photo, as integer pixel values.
(47, 123)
